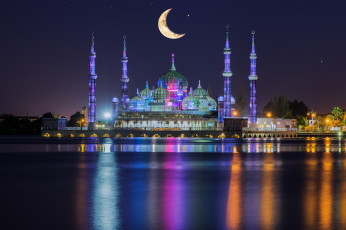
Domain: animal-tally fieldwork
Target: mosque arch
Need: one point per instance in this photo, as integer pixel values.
(58, 135)
(93, 135)
(144, 135)
(156, 135)
(182, 135)
(81, 135)
(118, 135)
(130, 135)
(169, 135)
(106, 135)
(46, 135)
(70, 135)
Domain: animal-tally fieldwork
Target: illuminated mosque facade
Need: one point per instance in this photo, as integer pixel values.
(172, 104)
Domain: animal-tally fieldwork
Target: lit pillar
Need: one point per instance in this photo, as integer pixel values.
(115, 105)
(220, 108)
(124, 80)
(253, 78)
(92, 89)
(227, 78)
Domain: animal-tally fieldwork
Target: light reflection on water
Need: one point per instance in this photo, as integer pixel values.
(198, 184)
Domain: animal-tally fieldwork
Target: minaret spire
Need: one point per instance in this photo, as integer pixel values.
(92, 87)
(253, 78)
(227, 73)
(173, 66)
(124, 78)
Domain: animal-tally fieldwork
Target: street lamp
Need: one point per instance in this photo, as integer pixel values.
(235, 113)
(269, 115)
(81, 121)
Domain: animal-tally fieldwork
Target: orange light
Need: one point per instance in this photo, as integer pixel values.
(235, 113)
(269, 115)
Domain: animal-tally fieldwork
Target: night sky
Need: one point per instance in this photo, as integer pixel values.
(45, 47)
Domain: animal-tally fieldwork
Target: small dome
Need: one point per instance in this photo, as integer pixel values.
(136, 98)
(220, 98)
(211, 103)
(115, 100)
(137, 103)
(160, 93)
(190, 102)
(200, 93)
(145, 93)
(232, 100)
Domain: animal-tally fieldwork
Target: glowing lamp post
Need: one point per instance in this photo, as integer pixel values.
(81, 121)
(269, 115)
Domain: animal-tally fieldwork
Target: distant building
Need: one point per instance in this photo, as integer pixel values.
(53, 124)
(276, 124)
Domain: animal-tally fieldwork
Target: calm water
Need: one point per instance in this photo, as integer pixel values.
(172, 183)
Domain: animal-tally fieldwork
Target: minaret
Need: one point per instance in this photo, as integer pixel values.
(227, 73)
(253, 78)
(124, 79)
(92, 89)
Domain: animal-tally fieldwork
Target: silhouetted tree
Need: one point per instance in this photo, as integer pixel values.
(75, 119)
(298, 108)
(278, 107)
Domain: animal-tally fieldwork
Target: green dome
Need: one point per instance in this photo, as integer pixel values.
(145, 93)
(137, 103)
(190, 102)
(136, 98)
(200, 93)
(212, 103)
(160, 93)
(173, 79)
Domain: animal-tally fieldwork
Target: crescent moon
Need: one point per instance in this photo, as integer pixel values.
(165, 31)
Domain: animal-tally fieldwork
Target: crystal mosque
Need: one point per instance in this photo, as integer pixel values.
(173, 104)
(174, 108)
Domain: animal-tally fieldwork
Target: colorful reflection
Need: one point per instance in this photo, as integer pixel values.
(325, 196)
(105, 193)
(233, 218)
(173, 209)
(311, 191)
(269, 205)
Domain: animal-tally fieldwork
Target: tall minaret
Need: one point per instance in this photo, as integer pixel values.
(253, 78)
(227, 73)
(92, 89)
(124, 79)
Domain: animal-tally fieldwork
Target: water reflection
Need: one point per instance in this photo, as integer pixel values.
(269, 204)
(105, 191)
(178, 185)
(234, 195)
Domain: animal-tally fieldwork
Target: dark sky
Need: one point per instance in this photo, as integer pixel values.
(45, 47)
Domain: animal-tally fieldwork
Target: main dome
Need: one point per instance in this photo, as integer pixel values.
(173, 80)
